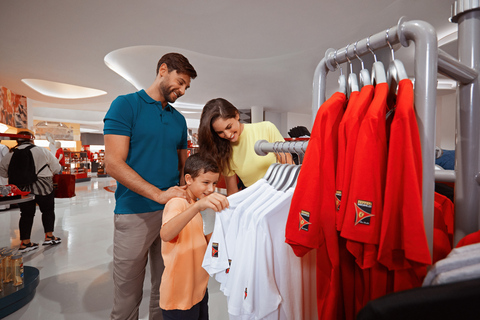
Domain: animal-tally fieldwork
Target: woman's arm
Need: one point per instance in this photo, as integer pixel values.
(231, 184)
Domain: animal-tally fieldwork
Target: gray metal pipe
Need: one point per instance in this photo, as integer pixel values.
(425, 67)
(467, 155)
(445, 176)
(451, 67)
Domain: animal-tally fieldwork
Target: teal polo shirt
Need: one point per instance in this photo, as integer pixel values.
(155, 135)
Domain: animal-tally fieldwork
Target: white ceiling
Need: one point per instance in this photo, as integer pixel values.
(253, 53)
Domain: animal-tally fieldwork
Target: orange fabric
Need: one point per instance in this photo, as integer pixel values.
(184, 281)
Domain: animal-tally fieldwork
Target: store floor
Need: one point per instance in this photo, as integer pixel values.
(76, 275)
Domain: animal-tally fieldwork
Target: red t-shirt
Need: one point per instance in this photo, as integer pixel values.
(364, 205)
(304, 224)
(347, 140)
(57, 155)
(469, 239)
(403, 242)
(311, 220)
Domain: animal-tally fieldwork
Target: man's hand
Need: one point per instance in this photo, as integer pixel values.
(215, 201)
(173, 192)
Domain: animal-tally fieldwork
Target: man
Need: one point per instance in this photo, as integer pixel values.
(45, 166)
(145, 150)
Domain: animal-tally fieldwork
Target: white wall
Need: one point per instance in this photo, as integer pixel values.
(445, 125)
(291, 119)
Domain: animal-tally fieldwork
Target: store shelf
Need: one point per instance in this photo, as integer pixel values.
(13, 298)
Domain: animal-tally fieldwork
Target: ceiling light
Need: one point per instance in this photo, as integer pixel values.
(62, 90)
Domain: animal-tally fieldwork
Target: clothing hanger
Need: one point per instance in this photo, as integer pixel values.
(352, 77)
(342, 81)
(364, 73)
(292, 180)
(378, 70)
(272, 169)
(396, 70)
(283, 172)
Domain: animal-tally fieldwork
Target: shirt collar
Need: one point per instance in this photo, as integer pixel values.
(149, 100)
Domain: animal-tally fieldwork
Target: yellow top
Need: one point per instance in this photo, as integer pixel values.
(249, 166)
(184, 281)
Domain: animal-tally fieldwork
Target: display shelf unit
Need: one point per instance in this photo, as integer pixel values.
(101, 172)
(78, 164)
(13, 298)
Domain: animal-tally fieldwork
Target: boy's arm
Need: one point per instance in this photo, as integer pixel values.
(208, 236)
(172, 228)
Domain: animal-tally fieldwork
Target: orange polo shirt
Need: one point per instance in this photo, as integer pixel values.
(184, 281)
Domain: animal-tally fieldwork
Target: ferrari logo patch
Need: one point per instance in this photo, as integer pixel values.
(215, 250)
(363, 212)
(304, 220)
(338, 199)
(229, 264)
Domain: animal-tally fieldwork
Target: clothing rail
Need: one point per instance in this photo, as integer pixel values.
(263, 147)
(426, 63)
(425, 68)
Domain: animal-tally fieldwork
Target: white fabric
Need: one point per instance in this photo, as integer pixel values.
(252, 235)
(459, 274)
(218, 266)
(451, 263)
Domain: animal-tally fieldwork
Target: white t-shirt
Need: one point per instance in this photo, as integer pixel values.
(215, 261)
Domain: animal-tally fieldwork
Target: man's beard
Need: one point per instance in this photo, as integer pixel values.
(167, 94)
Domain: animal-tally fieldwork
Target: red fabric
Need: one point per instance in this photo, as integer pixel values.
(313, 198)
(443, 227)
(347, 140)
(308, 197)
(57, 155)
(469, 239)
(403, 242)
(64, 185)
(364, 206)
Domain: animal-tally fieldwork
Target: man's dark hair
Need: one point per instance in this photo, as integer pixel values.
(196, 162)
(24, 140)
(178, 62)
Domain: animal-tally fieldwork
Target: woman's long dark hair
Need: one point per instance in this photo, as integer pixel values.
(208, 140)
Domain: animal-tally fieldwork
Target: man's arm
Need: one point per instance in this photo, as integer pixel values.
(116, 152)
(182, 157)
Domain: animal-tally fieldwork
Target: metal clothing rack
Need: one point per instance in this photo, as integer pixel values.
(429, 59)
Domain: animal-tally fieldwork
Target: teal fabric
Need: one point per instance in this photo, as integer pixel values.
(155, 135)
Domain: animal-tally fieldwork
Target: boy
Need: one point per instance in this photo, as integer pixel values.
(183, 289)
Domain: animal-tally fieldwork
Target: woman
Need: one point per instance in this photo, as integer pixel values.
(231, 143)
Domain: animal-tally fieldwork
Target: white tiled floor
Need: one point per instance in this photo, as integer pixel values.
(76, 276)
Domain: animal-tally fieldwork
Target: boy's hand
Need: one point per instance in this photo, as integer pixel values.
(215, 201)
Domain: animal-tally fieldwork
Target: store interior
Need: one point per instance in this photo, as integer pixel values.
(260, 56)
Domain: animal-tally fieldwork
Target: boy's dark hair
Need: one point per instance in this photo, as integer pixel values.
(178, 62)
(196, 162)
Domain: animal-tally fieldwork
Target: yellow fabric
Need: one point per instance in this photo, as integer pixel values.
(248, 165)
(184, 281)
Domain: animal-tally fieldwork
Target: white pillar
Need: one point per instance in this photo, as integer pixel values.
(257, 114)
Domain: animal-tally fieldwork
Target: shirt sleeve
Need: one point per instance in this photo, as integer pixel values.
(119, 119)
(4, 165)
(273, 133)
(52, 162)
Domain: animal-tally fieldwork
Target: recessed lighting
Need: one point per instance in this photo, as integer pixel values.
(62, 90)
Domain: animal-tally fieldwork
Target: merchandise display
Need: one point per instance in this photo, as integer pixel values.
(78, 164)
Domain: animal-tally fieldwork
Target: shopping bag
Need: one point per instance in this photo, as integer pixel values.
(64, 185)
